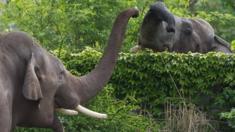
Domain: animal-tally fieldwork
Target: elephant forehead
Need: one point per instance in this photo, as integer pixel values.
(51, 62)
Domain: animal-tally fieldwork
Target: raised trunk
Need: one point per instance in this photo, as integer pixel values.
(90, 84)
(153, 29)
(161, 13)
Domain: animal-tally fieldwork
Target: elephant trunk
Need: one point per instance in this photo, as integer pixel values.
(89, 85)
(161, 13)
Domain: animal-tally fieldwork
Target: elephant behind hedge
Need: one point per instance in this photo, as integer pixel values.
(161, 31)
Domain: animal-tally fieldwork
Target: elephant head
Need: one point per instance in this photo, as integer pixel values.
(157, 27)
(161, 30)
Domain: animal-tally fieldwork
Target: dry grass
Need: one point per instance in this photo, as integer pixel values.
(185, 118)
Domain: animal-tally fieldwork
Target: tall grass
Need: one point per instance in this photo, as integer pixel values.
(185, 118)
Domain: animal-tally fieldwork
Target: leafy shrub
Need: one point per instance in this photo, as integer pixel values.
(230, 116)
(154, 78)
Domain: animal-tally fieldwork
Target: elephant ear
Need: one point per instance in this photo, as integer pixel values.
(31, 86)
(186, 28)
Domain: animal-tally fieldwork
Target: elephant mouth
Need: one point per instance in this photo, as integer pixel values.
(78, 108)
(59, 101)
(165, 47)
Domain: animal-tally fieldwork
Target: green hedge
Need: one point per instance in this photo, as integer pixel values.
(154, 79)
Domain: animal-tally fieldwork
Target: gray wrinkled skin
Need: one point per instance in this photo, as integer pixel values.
(195, 35)
(33, 82)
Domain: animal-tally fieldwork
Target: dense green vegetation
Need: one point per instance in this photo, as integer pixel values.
(155, 79)
(143, 83)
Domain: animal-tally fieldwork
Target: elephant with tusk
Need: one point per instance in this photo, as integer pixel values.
(34, 84)
(161, 31)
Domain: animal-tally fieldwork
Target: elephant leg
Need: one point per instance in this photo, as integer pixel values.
(57, 125)
(5, 120)
(5, 115)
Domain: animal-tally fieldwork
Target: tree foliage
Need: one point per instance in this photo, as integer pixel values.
(66, 23)
(77, 23)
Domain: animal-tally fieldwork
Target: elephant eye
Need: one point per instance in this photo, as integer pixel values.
(38, 74)
(188, 31)
(187, 28)
(61, 75)
(62, 72)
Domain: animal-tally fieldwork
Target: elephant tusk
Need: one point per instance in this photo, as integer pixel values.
(90, 112)
(67, 111)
